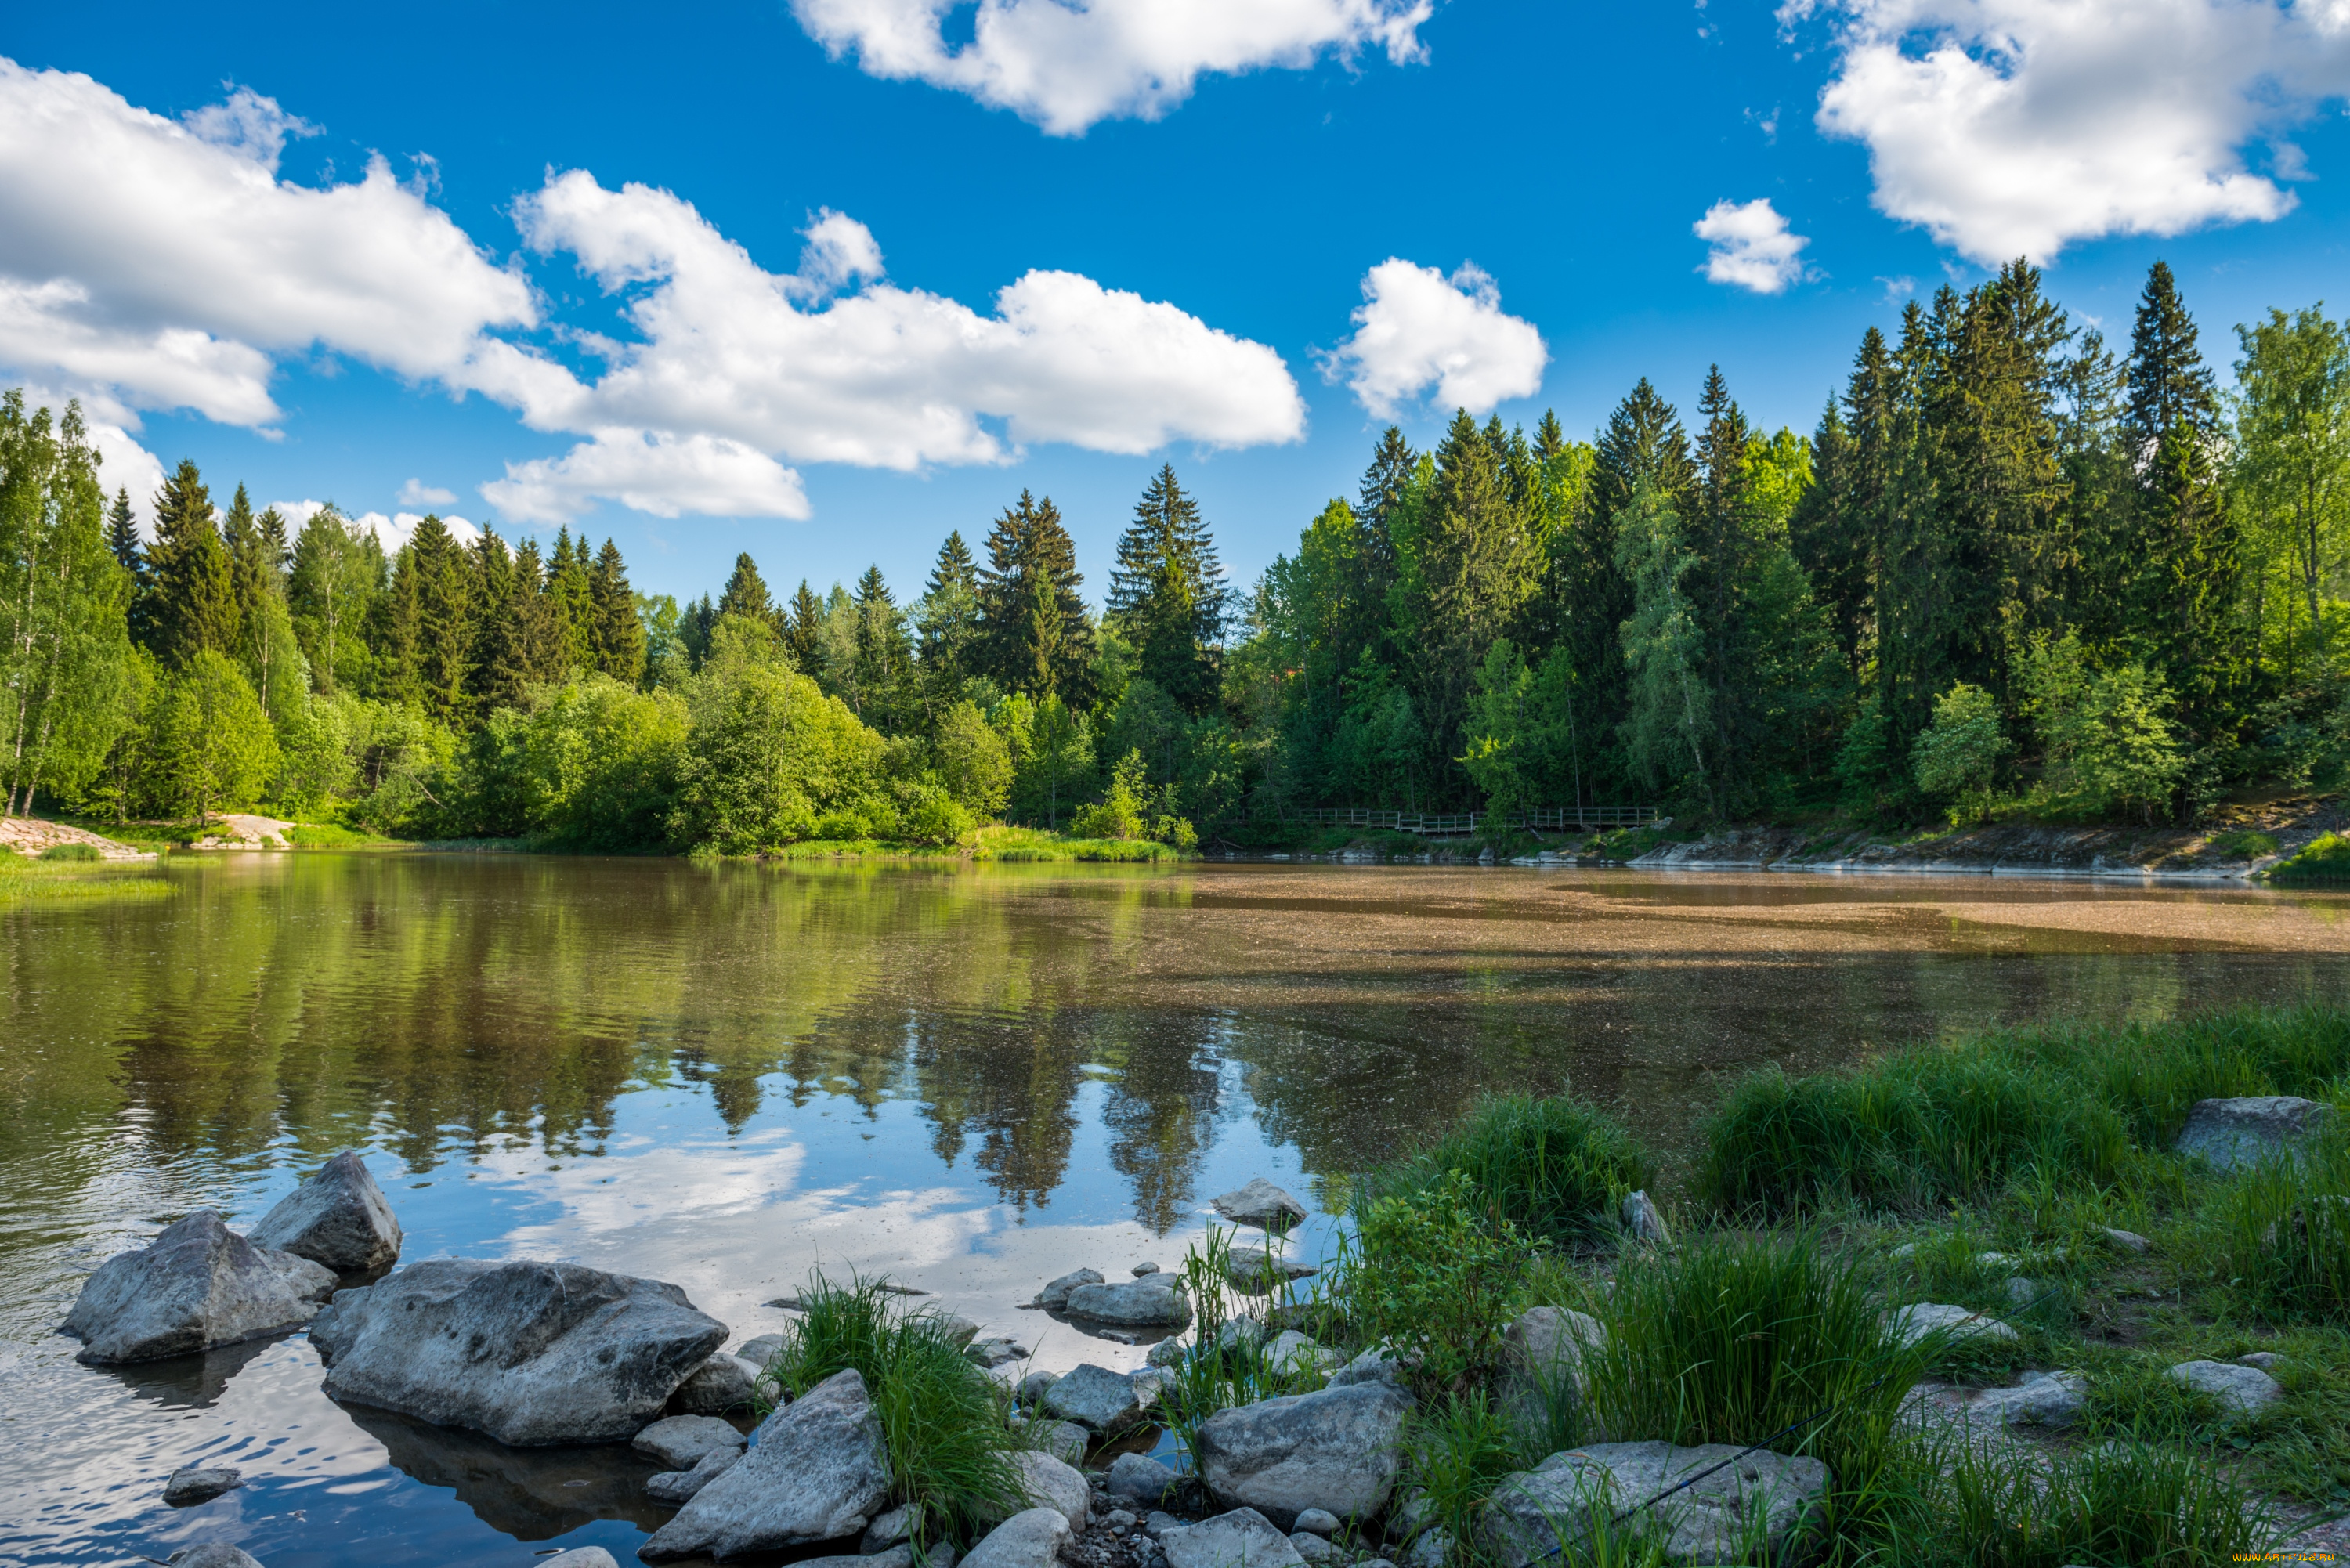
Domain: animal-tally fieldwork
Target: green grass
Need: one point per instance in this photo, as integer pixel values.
(2247, 842)
(944, 1420)
(1557, 1168)
(1947, 1122)
(331, 835)
(1987, 1506)
(48, 881)
(2278, 1235)
(2326, 860)
(84, 854)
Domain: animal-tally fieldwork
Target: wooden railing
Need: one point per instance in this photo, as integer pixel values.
(1584, 818)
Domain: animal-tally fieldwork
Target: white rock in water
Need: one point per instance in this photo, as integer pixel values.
(579, 1557)
(1029, 1540)
(2233, 1134)
(1260, 1203)
(192, 1484)
(1132, 1303)
(680, 1441)
(197, 1285)
(217, 1555)
(1240, 1538)
(1056, 1295)
(1713, 1520)
(1336, 1450)
(532, 1354)
(336, 1217)
(818, 1471)
(2240, 1390)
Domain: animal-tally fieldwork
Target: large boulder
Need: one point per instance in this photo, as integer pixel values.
(1147, 1302)
(1261, 1203)
(817, 1471)
(1095, 1397)
(1139, 1479)
(676, 1487)
(1717, 1520)
(1046, 1482)
(2239, 1390)
(1254, 1269)
(1543, 1385)
(197, 1285)
(1336, 1450)
(1240, 1538)
(532, 1354)
(1027, 1539)
(336, 1217)
(2235, 1132)
(680, 1441)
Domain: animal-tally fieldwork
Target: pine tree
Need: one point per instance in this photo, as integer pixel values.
(884, 657)
(497, 674)
(947, 619)
(195, 588)
(693, 633)
(747, 593)
(619, 636)
(122, 543)
(1478, 566)
(567, 588)
(542, 644)
(444, 619)
(1037, 637)
(1168, 595)
(1727, 555)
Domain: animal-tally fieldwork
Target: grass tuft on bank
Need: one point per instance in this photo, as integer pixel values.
(2326, 859)
(1556, 1168)
(57, 879)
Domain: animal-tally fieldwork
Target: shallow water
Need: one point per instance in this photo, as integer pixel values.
(970, 1079)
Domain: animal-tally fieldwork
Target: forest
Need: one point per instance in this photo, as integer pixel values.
(2012, 571)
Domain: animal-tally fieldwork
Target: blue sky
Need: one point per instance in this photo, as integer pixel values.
(499, 310)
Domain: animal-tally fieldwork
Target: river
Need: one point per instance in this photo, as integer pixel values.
(970, 1079)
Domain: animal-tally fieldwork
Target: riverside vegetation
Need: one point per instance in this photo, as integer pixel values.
(2011, 572)
(1818, 1206)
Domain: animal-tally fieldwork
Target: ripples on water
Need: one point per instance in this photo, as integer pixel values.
(970, 1079)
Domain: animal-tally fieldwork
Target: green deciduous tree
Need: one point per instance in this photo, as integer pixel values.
(211, 746)
(1957, 760)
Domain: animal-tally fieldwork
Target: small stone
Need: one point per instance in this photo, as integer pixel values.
(887, 1530)
(1046, 1482)
(2127, 1240)
(1912, 1325)
(952, 1327)
(1028, 1540)
(1095, 1397)
(680, 1441)
(2022, 1293)
(1150, 1384)
(1119, 1519)
(1903, 1252)
(1241, 1332)
(580, 1557)
(760, 1351)
(2038, 1399)
(1318, 1521)
(217, 1555)
(1156, 1524)
(2266, 1360)
(1377, 1364)
(1428, 1549)
(1140, 1477)
(1143, 1271)
(1056, 1294)
(1261, 1204)
(1240, 1538)
(1064, 1441)
(1033, 1386)
(995, 1353)
(721, 1383)
(676, 1487)
(1312, 1548)
(2239, 1390)
(192, 1484)
(1168, 1353)
(1643, 1222)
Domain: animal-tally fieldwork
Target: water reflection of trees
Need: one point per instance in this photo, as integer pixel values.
(442, 1007)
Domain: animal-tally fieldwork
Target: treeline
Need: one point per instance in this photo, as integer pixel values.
(2011, 568)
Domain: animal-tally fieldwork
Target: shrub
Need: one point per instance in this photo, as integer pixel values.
(2326, 860)
(1434, 1273)
(1957, 758)
(942, 1418)
(1119, 813)
(1736, 1339)
(1554, 1167)
(81, 852)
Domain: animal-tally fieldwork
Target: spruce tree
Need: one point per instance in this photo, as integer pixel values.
(1036, 637)
(122, 543)
(542, 644)
(619, 635)
(883, 663)
(948, 621)
(444, 619)
(1479, 566)
(2186, 549)
(1168, 595)
(747, 593)
(497, 675)
(693, 633)
(804, 629)
(195, 588)
(567, 588)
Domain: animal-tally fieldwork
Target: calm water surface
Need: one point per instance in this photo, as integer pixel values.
(970, 1079)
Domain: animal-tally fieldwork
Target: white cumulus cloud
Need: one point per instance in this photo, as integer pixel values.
(664, 476)
(1417, 329)
(887, 377)
(151, 264)
(1066, 65)
(2010, 128)
(1748, 246)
